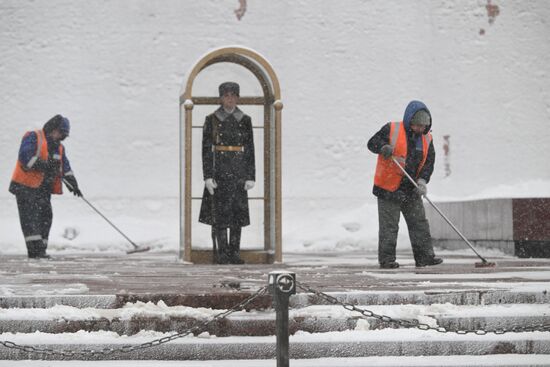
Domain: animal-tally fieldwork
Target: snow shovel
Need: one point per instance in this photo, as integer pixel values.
(136, 247)
(484, 263)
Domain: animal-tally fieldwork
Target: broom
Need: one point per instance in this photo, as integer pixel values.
(136, 247)
(484, 263)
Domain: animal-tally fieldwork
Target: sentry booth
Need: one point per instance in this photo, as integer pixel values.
(260, 97)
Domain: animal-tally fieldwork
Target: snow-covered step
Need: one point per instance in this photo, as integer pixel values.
(253, 327)
(358, 343)
(394, 297)
(132, 318)
(490, 360)
(456, 297)
(43, 301)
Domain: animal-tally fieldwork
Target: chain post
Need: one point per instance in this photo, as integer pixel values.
(282, 285)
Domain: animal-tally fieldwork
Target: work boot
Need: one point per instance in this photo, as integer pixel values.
(430, 262)
(43, 255)
(42, 250)
(33, 248)
(389, 265)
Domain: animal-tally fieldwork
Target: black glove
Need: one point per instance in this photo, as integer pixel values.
(386, 151)
(72, 185)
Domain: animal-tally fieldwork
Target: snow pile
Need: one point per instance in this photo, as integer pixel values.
(127, 312)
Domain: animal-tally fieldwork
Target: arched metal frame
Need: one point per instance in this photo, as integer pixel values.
(271, 100)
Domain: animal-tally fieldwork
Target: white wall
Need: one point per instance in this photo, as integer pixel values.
(116, 69)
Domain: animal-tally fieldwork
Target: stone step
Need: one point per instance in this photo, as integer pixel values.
(302, 346)
(134, 318)
(490, 360)
(455, 297)
(227, 300)
(255, 327)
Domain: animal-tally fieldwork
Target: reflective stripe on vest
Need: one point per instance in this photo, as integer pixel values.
(29, 177)
(39, 136)
(388, 176)
(426, 140)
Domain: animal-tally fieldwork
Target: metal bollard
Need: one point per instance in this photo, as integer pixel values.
(282, 285)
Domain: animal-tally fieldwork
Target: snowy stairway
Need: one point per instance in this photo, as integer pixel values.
(319, 330)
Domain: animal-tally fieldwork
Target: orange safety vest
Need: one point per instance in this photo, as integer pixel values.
(33, 178)
(388, 176)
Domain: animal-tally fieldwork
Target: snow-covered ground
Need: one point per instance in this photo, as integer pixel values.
(330, 225)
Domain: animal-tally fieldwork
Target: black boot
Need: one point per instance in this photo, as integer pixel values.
(223, 246)
(429, 262)
(235, 246)
(42, 250)
(34, 248)
(214, 245)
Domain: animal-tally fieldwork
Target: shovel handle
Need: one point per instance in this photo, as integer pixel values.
(439, 211)
(102, 216)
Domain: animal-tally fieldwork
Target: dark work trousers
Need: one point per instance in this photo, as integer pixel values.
(35, 216)
(228, 251)
(419, 228)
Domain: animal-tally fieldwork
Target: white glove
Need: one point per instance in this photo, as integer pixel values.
(248, 185)
(210, 185)
(422, 189)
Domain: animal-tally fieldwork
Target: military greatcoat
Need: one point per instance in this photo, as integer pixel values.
(228, 158)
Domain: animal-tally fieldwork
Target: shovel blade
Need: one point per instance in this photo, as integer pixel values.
(138, 249)
(485, 264)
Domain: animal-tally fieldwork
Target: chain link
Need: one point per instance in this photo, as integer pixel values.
(130, 348)
(416, 323)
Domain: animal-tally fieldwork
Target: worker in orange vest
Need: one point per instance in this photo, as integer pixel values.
(41, 166)
(410, 143)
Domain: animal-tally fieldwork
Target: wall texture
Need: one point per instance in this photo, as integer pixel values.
(116, 69)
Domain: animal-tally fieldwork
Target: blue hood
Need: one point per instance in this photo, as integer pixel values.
(412, 108)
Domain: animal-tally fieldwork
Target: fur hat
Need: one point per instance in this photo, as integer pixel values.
(229, 87)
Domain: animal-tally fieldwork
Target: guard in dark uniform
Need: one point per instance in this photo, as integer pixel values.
(229, 172)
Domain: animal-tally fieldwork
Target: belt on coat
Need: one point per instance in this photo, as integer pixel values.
(228, 148)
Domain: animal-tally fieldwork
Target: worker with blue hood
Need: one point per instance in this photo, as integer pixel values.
(410, 143)
(41, 167)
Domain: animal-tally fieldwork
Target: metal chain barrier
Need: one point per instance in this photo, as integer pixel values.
(416, 323)
(280, 284)
(131, 348)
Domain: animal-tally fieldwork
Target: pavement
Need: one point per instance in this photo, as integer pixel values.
(515, 292)
(114, 279)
